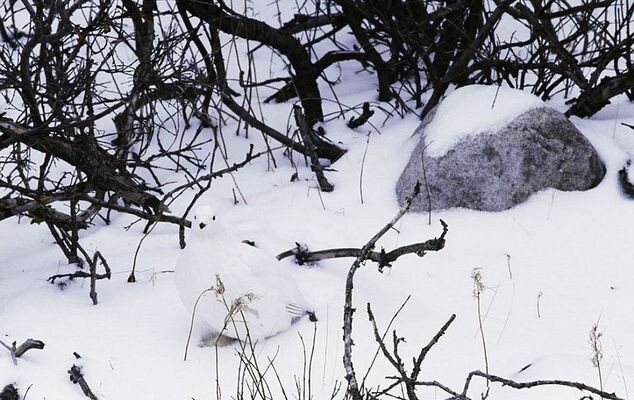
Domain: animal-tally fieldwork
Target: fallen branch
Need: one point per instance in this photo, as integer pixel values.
(78, 274)
(28, 345)
(18, 351)
(532, 384)
(152, 217)
(384, 259)
(410, 380)
(102, 168)
(77, 378)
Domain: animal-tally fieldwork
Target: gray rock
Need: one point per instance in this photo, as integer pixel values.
(494, 171)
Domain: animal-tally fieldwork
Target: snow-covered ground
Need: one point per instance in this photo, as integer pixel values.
(552, 268)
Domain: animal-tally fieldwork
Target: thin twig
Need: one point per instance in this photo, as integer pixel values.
(365, 152)
(427, 190)
(389, 325)
(132, 277)
(532, 384)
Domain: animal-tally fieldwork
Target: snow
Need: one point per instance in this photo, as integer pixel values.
(570, 256)
(552, 268)
(474, 109)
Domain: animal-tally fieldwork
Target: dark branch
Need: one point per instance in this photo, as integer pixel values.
(305, 78)
(592, 100)
(18, 351)
(384, 259)
(532, 384)
(28, 345)
(77, 377)
(307, 136)
(9, 392)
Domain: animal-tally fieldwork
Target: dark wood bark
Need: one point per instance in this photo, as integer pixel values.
(28, 344)
(594, 99)
(307, 135)
(9, 392)
(382, 258)
(77, 377)
(353, 13)
(105, 172)
(305, 73)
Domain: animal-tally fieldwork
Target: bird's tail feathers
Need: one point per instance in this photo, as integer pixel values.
(297, 312)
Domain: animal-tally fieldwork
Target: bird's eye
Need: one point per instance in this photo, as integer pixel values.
(202, 225)
(213, 218)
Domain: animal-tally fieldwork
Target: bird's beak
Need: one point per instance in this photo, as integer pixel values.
(202, 225)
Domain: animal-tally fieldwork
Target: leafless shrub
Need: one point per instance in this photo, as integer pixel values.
(103, 99)
(408, 378)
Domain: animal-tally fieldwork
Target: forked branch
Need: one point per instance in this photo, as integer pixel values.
(348, 310)
(18, 351)
(384, 259)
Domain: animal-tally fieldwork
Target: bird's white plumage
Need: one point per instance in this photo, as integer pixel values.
(239, 288)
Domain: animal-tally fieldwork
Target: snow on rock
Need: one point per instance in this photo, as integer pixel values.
(471, 110)
(499, 169)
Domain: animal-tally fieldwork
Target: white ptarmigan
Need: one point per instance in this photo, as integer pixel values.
(236, 289)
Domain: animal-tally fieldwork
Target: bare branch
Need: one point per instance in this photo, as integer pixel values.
(307, 135)
(384, 259)
(28, 345)
(77, 377)
(348, 310)
(532, 384)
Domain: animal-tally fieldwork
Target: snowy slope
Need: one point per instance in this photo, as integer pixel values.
(570, 253)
